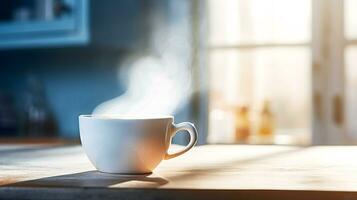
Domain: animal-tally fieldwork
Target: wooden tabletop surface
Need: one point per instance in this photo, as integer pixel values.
(206, 172)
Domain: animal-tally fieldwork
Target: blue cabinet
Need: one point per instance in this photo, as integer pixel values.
(35, 23)
(70, 23)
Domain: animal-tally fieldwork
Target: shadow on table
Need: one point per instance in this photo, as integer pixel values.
(95, 179)
(100, 180)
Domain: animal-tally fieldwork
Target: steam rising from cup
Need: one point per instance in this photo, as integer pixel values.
(158, 83)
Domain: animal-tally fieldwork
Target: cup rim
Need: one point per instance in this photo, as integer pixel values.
(124, 117)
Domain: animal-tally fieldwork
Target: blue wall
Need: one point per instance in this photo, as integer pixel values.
(75, 81)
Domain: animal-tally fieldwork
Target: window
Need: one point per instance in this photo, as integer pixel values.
(259, 50)
(296, 56)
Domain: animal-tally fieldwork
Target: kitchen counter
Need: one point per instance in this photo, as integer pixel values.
(207, 172)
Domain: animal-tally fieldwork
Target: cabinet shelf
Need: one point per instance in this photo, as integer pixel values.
(71, 29)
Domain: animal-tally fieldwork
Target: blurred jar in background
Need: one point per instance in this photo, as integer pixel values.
(39, 119)
(8, 115)
(242, 130)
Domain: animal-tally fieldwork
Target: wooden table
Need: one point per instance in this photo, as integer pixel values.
(206, 172)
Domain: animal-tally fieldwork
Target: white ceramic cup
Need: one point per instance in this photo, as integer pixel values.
(130, 145)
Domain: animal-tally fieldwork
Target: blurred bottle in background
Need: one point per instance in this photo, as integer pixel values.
(8, 115)
(266, 123)
(242, 130)
(39, 120)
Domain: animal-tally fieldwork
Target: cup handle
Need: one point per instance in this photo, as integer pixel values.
(193, 137)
